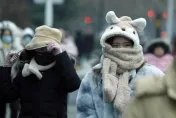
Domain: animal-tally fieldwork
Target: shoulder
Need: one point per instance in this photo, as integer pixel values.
(169, 56)
(149, 86)
(91, 75)
(150, 70)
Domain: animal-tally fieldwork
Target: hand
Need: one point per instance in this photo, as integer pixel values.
(110, 80)
(54, 48)
(123, 92)
(11, 58)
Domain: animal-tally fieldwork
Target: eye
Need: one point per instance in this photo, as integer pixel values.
(127, 45)
(115, 45)
(111, 28)
(134, 32)
(123, 29)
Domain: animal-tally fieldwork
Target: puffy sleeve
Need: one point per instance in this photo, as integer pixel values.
(85, 103)
(150, 70)
(9, 89)
(69, 78)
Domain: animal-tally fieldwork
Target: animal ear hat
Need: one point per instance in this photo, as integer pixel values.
(124, 26)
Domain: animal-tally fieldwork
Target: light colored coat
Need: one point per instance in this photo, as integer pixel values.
(90, 103)
(155, 97)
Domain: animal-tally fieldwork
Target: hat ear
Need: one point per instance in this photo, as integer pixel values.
(139, 24)
(111, 18)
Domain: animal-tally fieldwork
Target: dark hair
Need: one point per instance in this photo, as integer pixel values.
(152, 47)
(111, 39)
(27, 55)
(5, 29)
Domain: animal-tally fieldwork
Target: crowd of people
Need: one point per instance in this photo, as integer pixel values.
(38, 70)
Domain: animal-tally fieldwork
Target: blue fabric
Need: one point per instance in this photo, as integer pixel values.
(7, 39)
(90, 102)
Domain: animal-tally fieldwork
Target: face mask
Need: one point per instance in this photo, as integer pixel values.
(26, 40)
(7, 39)
(43, 57)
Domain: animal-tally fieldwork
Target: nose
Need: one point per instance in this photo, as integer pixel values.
(121, 46)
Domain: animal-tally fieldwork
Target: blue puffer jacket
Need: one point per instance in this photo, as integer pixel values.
(90, 103)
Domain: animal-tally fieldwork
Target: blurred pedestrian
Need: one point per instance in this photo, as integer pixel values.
(106, 90)
(7, 41)
(159, 53)
(68, 44)
(5, 71)
(7, 45)
(88, 42)
(79, 42)
(155, 96)
(45, 79)
(27, 36)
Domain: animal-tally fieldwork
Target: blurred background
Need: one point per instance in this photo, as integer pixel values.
(82, 22)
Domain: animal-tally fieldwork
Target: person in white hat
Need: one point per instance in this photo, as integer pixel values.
(27, 36)
(107, 88)
(45, 79)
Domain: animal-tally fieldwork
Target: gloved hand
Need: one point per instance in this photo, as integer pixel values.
(11, 58)
(110, 80)
(54, 48)
(123, 92)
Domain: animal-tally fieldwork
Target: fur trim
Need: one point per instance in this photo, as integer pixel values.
(155, 41)
(28, 31)
(125, 22)
(170, 80)
(146, 86)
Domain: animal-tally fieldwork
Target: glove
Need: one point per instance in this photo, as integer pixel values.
(11, 58)
(110, 81)
(123, 92)
(54, 48)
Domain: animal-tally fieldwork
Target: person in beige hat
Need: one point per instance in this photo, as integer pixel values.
(45, 79)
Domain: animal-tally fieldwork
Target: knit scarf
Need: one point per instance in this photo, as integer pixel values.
(116, 64)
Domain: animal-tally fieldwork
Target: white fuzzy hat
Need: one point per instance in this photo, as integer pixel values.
(28, 31)
(43, 36)
(123, 26)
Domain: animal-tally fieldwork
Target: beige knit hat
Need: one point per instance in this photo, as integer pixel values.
(43, 36)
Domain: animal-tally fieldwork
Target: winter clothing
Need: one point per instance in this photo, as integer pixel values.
(5, 46)
(47, 97)
(160, 62)
(34, 68)
(115, 59)
(123, 26)
(54, 48)
(27, 36)
(120, 59)
(11, 59)
(155, 97)
(4, 73)
(43, 36)
(105, 91)
(90, 100)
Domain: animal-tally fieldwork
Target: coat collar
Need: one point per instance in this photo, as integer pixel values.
(158, 85)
